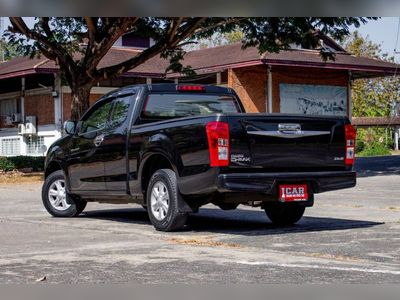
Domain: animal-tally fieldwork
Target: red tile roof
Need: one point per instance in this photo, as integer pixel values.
(215, 59)
(20, 66)
(204, 61)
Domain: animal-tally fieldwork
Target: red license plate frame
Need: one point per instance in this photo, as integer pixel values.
(293, 192)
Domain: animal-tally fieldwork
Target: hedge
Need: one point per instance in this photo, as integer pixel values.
(12, 163)
(375, 149)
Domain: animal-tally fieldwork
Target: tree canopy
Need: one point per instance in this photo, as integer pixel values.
(8, 51)
(78, 45)
(374, 97)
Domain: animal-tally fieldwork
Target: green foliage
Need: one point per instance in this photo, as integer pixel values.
(8, 51)
(13, 163)
(62, 37)
(6, 164)
(218, 39)
(375, 149)
(372, 97)
(374, 141)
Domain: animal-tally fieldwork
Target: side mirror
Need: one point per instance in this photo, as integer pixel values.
(69, 127)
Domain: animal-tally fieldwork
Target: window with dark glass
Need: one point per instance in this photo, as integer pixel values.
(119, 112)
(97, 118)
(159, 106)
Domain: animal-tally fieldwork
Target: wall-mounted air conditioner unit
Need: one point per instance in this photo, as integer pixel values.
(21, 129)
(16, 118)
(8, 120)
(30, 125)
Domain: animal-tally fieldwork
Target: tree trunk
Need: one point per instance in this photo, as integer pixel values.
(80, 100)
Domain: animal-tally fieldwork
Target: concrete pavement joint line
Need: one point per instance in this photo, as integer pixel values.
(305, 266)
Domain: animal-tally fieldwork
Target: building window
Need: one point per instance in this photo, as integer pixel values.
(8, 107)
(131, 40)
(10, 146)
(34, 145)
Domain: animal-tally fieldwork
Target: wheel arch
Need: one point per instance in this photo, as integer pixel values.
(52, 167)
(151, 164)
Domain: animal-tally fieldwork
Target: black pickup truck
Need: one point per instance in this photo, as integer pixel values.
(173, 148)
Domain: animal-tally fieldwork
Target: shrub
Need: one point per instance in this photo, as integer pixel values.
(360, 145)
(6, 165)
(373, 141)
(12, 163)
(375, 149)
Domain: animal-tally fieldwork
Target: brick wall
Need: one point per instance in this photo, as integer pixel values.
(304, 76)
(250, 84)
(67, 98)
(41, 106)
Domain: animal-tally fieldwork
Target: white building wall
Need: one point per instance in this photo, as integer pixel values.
(49, 133)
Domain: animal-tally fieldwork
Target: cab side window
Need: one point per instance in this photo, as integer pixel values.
(97, 118)
(119, 113)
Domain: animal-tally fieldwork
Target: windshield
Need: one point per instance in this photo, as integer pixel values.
(183, 105)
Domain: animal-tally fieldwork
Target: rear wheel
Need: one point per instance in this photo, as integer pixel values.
(56, 200)
(162, 201)
(284, 215)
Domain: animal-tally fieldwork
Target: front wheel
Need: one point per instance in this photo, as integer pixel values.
(56, 200)
(162, 200)
(283, 214)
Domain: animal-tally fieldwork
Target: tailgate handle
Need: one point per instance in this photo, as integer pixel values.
(288, 130)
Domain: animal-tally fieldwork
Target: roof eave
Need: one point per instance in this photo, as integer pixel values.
(371, 69)
(18, 74)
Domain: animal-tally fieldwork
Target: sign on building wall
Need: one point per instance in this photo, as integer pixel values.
(313, 99)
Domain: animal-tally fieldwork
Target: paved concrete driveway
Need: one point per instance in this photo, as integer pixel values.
(348, 236)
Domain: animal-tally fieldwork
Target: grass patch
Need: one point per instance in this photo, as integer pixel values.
(20, 178)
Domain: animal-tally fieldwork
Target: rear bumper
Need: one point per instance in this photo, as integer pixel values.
(268, 183)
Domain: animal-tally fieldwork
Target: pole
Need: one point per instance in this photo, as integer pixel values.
(1, 40)
(269, 89)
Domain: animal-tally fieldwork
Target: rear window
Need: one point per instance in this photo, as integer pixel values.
(160, 106)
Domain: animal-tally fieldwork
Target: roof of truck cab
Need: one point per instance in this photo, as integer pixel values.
(166, 87)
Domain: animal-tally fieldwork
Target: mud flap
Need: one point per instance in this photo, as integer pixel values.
(184, 207)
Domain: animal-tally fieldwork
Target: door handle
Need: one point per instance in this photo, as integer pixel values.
(98, 140)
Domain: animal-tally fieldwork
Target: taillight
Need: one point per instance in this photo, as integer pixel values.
(350, 133)
(218, 143)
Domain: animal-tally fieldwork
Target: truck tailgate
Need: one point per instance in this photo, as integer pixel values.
(287, 142)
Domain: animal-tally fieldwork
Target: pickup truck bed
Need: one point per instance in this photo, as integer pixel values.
(173, 148)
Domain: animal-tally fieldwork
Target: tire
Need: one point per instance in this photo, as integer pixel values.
(162, 200)
(283, 214)
(52, 194)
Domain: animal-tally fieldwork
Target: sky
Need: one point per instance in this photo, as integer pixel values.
(383, 31)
